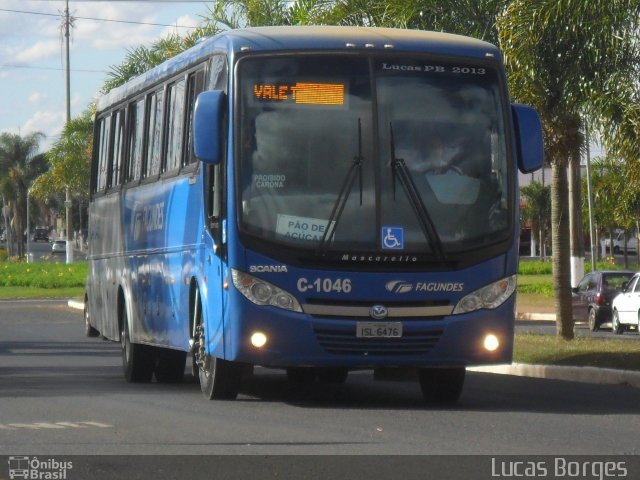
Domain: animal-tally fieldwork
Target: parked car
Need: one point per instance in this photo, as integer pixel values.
(593, 296)
(626, 307)
(40, 234)
(59, 246)
(618, 242)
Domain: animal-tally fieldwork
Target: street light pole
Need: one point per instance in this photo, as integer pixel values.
(592, 237)
(28, 229)
(67, 72)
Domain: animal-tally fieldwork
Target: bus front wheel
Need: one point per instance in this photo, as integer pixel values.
(441, 385)
(219, 379)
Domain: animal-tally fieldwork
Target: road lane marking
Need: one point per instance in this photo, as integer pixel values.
(53, 425)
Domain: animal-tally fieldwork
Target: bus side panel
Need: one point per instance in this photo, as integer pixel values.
(106, 265)
(164, 229)
(215, 274)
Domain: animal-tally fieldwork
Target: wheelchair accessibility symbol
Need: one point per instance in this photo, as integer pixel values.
(392, 238)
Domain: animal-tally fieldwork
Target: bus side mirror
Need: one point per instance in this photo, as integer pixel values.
(528, 132)
(207, 126)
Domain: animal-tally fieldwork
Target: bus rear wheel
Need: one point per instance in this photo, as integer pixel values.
(89, 331)
(138, 361)
(441, 385)
(170, 366)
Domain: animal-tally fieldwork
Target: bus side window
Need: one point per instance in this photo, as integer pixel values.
(154, 133)
(195, 85)
(174, 125)
(136, 137)
(118, 149)
(103, 153)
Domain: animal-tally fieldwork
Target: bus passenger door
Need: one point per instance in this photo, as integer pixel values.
(214, 261)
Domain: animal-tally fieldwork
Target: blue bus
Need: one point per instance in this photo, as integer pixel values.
(316, 199)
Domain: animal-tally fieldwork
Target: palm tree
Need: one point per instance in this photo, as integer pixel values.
(19, 166)
(140, 59)
(70, 162)
(536, 210)
(561, 57)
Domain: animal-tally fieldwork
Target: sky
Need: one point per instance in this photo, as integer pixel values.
(32, 84)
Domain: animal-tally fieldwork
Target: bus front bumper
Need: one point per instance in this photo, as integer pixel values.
(296, 339)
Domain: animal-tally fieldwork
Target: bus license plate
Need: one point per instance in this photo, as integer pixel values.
(379, 329)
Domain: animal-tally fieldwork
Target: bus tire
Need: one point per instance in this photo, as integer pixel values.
(334, 375)
(220, 379)
(441, 385)
(138, 361)
(170, 366)
(89, 331)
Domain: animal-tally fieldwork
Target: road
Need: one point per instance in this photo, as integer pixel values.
(581, 330)
(62, 393)
(42, 253)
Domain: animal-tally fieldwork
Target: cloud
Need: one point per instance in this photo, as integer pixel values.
(48, 122)
(110, 35)
(37, 97)
(37, 51)
(183, 21)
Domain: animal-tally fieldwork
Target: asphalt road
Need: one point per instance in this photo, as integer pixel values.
(580, 330)
(42, 253)
(62, 393)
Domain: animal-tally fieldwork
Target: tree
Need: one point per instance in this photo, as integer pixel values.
(70, 162)
(140, 59)
(19, 166)
(561, 57)
(536, 210)
(605, 183)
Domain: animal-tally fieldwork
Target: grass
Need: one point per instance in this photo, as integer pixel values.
(9, 293)
(581, 352)
(47, 276)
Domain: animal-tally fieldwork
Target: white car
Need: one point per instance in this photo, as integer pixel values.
(618, 242)
(59, 246)
(626, 307)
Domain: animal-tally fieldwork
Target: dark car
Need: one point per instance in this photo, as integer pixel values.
(593, 296)
(40, 234)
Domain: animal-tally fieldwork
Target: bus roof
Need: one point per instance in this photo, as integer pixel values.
(311, 38)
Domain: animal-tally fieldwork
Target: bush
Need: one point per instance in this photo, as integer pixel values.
(545, 288)
(534, 267)
(43, 275)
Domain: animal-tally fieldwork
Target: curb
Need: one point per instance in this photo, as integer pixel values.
(544, 317)
(76, 304)
(603, 376)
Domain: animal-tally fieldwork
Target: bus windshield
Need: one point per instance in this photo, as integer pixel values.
(372, 154)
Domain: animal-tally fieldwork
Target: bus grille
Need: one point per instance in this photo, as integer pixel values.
(343, 341)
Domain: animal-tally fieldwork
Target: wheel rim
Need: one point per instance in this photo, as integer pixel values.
(615, 322)
(592, 319)
(201, 359)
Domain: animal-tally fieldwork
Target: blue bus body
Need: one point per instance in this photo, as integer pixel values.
(170, 249)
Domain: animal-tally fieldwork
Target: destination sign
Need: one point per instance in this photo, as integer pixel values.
(301, 93)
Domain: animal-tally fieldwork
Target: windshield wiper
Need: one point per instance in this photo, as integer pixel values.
(399, 170)
(338, 207)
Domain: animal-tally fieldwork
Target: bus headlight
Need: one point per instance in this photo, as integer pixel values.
(491, 296)
(263, 293)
